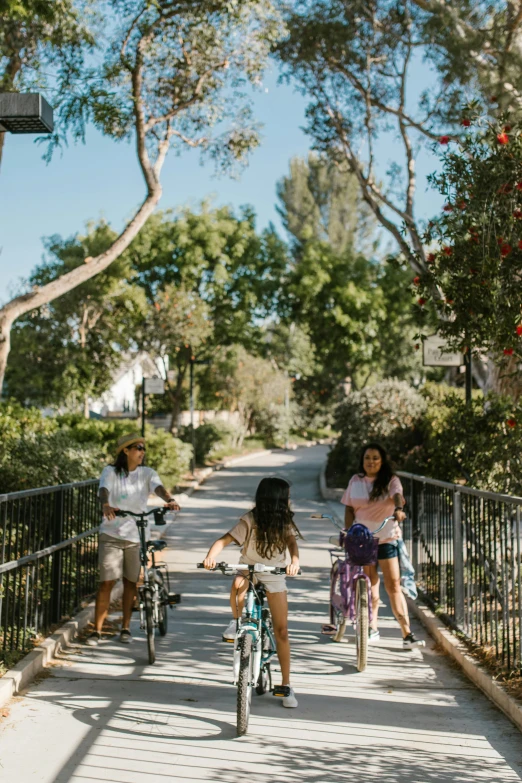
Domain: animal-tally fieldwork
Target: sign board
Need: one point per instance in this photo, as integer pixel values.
(435, 353)
(154, 386)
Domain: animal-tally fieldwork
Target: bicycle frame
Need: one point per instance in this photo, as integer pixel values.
(257, 625)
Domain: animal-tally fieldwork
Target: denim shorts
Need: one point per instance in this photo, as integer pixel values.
(387, 551)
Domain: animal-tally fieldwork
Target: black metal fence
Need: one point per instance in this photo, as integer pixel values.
(466, 549)
(48, 558)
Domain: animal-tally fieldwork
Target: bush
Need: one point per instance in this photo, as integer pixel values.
(389, 412)
(481, 443)
(39, 451)
(210, 437)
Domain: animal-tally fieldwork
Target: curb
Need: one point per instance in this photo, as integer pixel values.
(476, 673)
(19, 677)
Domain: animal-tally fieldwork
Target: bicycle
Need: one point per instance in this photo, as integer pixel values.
(254, 645)
(350, 590)
(154, 594)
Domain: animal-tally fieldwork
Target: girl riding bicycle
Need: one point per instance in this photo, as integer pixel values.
(264, 535)
(372, 495)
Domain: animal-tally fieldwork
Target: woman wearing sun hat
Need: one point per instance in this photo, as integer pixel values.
(126, 484)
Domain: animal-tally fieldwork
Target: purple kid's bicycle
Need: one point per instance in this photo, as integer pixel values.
(350, 587)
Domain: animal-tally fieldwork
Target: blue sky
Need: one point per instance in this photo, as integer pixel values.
(102, 179)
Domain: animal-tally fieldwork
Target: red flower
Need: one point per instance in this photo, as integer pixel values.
(448, 251)
(520, 244)
(506, 128)
(462, 204)
(505, 189)
(430, 258)
(472, 271)
(449, 301)
(511, 422)
(508, 351)
(444, 140)
(416, 280)
(505, 249)
(447, 208)
(499, 240)
(518, 185)
(517, 214)
(493, 98)
(519, 330)
(417, 346)
(465, 122)
(421, 301)
(502, 138)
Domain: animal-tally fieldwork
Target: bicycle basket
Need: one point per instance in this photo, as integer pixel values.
(360, 546)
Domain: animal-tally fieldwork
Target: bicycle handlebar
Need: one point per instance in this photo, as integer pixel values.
(158, 512)
(258, 568)
(338, 526)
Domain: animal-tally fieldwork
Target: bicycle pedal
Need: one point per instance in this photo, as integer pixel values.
(281, 691)
(173, 599)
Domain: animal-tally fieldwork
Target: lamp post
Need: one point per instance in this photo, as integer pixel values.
(194, 361)
(25, 113)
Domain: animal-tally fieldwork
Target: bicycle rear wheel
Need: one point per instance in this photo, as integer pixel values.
(163, 620)
(244, 684)
(361, 623)
(149, 623)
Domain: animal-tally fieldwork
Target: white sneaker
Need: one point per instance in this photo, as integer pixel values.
(290, 701)
(229, 634)
(373, 636)
(410, 641)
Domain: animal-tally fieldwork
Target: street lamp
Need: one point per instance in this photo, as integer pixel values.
(25, 113)
(194, 361)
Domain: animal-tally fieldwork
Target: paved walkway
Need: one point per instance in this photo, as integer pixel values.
(103, 715)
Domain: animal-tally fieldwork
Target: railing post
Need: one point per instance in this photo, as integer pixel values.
(458, 559)
(415, 531)
(56, 567)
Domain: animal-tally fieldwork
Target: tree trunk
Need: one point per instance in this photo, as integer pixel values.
(2, 144)
(47, 293)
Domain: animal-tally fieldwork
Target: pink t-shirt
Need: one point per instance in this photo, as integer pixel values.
(372, 513)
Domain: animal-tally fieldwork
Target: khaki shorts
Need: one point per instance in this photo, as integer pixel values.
(118, 558)
(274, 583)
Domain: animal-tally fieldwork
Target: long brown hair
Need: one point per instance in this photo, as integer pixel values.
(273, 516)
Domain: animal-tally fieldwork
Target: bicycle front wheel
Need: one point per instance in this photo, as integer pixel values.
(149, 623)
(361, 623)
(244, 684)
(163, 620)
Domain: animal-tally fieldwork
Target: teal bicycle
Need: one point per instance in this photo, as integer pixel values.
(254, 646)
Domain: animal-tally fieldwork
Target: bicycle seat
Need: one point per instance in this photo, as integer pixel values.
(157, 546)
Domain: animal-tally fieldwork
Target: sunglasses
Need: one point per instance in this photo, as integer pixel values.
(139, 447)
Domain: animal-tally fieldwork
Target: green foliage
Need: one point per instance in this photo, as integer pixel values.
(39, 451)
(477, 263)
(481, 443)
(68, 350)
(210, 437)
(389, 412)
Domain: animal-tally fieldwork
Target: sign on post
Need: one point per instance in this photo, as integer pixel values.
(436, 354)
(154, 386)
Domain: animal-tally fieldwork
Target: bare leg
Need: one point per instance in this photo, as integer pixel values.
(129, 594)
(103, 599)
(237, 596)
(278, 603)
(372, 572)
(392, 583)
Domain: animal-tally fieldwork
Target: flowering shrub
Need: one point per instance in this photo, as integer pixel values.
(474, 277)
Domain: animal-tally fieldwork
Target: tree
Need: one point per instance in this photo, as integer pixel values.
(66, 352)
(222, 259)
(354, 61)
(172, 73)
(318, 201)
(473, 275)
(176, 329)
(37, 36)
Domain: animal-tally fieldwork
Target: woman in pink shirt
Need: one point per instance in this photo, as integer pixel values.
(373, 494)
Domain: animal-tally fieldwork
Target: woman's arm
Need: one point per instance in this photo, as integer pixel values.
(399, 501)
(293, 568)
(108, 511)
(210, 561)
(162, 493)
(349, 517)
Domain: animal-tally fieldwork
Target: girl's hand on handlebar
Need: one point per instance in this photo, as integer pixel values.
(399, 515)
(293, 568)
(109, 512)
(209, 563)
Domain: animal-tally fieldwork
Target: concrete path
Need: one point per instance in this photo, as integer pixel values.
(104, 715)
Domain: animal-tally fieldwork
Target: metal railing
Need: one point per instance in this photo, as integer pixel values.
(465, 546)
(48, 558)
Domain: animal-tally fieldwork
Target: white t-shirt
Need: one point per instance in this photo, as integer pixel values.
(129, 493)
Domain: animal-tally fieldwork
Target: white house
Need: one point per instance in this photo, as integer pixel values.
(121, 397)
